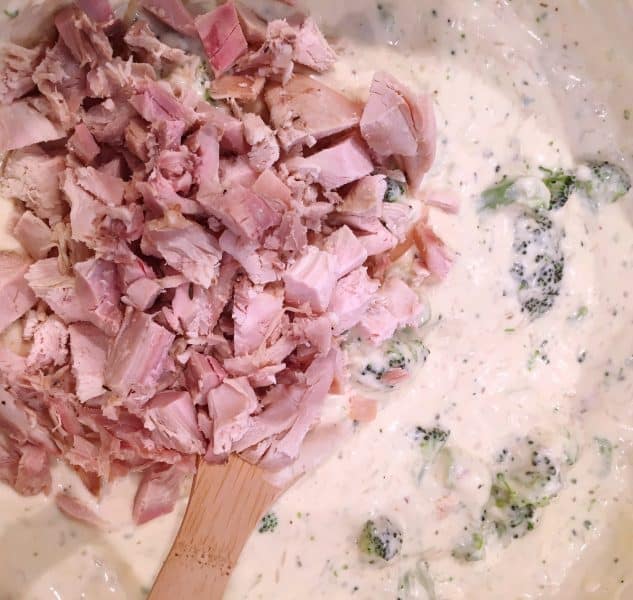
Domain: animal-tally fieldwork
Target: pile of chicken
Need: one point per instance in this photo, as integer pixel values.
(195, 250)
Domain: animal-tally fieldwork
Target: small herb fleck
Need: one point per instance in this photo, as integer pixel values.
(12, 14)
(268, 523)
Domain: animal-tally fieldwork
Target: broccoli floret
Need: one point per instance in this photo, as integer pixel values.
(380, 539)
(510, 511)
(532, 477)
(395, 190)
(529, 191)
(471, 549)
(431, 441)
(603, 181)
(539, 262)
(560, 184)
(268, 523)
(403, 351)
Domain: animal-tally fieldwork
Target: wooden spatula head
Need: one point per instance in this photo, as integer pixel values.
(226, 503)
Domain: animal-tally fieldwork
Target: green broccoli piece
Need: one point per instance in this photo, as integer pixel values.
(268, 523)
(560, 184)
(380, 539)
(395, 190)
(603, 181)
(431, 440)
(511, 511)
(528, 191)
(539, 262)
(472, 549)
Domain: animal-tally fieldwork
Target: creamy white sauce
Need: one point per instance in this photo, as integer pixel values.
(517, 85)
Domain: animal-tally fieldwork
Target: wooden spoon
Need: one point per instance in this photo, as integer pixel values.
(226, 503)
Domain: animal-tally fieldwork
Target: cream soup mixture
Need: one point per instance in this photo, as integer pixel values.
(518, 86)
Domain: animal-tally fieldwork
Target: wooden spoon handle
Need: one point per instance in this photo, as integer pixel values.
(225, 505)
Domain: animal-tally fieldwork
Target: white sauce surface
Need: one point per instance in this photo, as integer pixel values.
(512, 91)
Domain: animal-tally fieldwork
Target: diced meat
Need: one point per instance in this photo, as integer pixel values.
(185, 246)
(241, 211)
(396, 122)
(387, 122)
(316, 332)
(75, 509)
(99, 293)
(108, 120)
(253, 26)
(20, 423)
(318, 379)
(284, 45)
(306, 110)
(243, 88)
(222, 37)
(100, 225)
(311, 48)
(22, 125)
(11, 365)
(376, 238)
(62, 83)
(142, 293)
(282, 404)
(15, 295)
(137, 356)
(273, 190)
(50, 345)
(434, 254)
(362, 409)
(447, 200)
(347, 250)
(150, 49)
(98, 10)
(33, 474)
(160, 488)
(88, 348)
(395, 305)
(56, 289)
(161, 198)
(256, 313)
(196, 310)
(203, 373)
(16, 70)
(83, 144)
(230, 407)
(173, 13)
(416, 166)
(333, 167)
(365, 199)
(87, 43)
(230, 130)
(351, 299)
(236, 170)
(156, 102)
(397, 219)
(31, 176)
(206, 145)
(171, 418)
(274, 58)
(291, 236)
(264, 152)
(108, 189)
(260, 265)
(311, 279)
